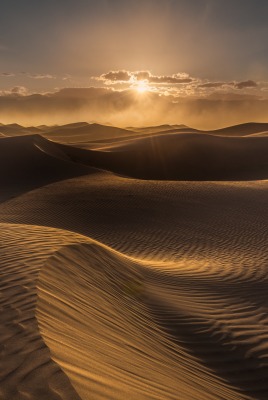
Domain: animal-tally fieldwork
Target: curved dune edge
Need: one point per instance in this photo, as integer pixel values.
(120, 329)
(26, 368)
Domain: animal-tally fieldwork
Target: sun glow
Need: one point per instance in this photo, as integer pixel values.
(142, 86)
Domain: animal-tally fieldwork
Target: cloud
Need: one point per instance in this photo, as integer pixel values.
(173, 79)
(15, 91)
(42, 76)
(245, 84)
(38, 76)
(235, 85)
(115, 76)
(19, 90)
(183, 83)
(212, 85)
(127, 107)
(124, 76)
(142, 75)
(7, 74)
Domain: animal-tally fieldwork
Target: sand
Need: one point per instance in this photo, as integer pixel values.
(115, 287)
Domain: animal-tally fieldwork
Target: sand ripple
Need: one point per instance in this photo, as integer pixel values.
(27, 370)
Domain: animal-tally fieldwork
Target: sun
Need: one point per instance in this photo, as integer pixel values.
(142, 86)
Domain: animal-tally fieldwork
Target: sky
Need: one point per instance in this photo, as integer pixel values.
(125, 62)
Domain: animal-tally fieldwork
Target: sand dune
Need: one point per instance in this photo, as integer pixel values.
(158, 128)
(242, 129)
(181, 157)
(28, 162)
(85, 132)
(18, 130)
(116, 288)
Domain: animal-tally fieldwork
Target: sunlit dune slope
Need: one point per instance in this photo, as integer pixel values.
(95, 311)
(181, 157)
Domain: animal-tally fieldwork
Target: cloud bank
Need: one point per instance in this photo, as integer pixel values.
(179, 83)
(124, 76)
(127, 107)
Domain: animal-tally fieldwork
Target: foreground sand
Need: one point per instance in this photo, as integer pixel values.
(116, 288)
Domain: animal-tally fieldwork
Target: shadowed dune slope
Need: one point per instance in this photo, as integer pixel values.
(27, 162)
(181, 157)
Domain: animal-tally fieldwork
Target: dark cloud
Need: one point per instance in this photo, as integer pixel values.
(245, 84)
(142, 75)
(236, 85)
(7, 74)
(165, 79)
(116, 76)
(18, 90)
(174, 79)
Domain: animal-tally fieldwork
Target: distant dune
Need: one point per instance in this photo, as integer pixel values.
(158, 128)
(85, 132)
(243, 129)
(133, 264)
